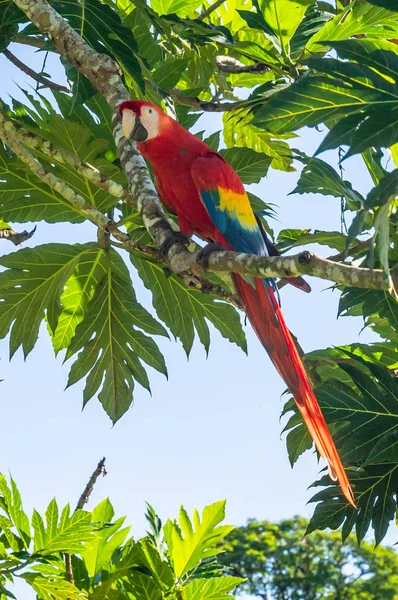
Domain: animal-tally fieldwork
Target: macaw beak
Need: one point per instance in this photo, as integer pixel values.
(133, 129)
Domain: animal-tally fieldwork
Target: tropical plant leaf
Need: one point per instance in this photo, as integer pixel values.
(284, 16)
(189, 543)
(98, 552)
(11, 503)
(362, 411)
(168, 74)
(318, 177)
(215, 588)
(63, 532)
(31, 287)
(291, 238)
(238, 131)
(111, 342)
(185, 310)
(53, 589)
(356, 20)
(102, 28)
(251, 166)
(88, 271)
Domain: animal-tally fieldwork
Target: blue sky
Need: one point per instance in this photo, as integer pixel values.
(212, 430)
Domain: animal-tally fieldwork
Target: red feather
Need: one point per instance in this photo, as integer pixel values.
(172, 154)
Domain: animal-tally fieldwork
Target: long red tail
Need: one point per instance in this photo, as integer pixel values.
(267, 320)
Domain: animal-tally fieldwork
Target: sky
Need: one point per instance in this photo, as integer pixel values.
(212, 430)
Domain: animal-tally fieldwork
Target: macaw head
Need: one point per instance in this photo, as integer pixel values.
(142, 121)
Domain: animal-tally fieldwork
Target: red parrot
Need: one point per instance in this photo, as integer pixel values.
(209, 199)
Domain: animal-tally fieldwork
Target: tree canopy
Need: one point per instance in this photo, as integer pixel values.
(278, 562)
(271, 67)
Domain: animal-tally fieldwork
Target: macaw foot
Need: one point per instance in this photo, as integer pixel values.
(177, 237)
(204, 254)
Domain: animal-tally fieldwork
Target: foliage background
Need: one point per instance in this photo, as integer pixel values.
(145, 460)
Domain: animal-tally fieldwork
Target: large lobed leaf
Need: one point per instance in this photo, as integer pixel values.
(186, 310)
(111, 341)
(359, 399)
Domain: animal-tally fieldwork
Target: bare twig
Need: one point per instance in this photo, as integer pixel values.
(39, 78)
(228, 64)
(211, 9)
(84, 498)
(28, 40)
(197, 104)
(15, 237)
(85, 495)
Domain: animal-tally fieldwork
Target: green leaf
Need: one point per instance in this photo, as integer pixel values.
(111, 343)
(179, 7)
(25, 198)
(102, 28)
(88, 271)
(291, 238)
(62, 533)
(239, 131)
(356, 20)
(53, 589)
(389, 4)
(284, 16)
(376, 307)
(215, 588)
(298, 440)
(318, 177)
(382, 193)
(31, 286)
(312, 100)
(189, 543)
(82, 88)
(251, 166)
(144, 587)
(168, 74)
(98, 552)
(185, 309)
(12, 504)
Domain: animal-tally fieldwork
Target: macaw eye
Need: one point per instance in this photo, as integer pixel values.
(150, 111)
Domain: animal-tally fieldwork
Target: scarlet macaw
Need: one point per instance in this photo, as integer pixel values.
(209, 199)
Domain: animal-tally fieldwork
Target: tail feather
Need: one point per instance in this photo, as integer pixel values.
(267, 320)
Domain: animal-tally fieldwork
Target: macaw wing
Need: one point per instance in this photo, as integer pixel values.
(224, 197)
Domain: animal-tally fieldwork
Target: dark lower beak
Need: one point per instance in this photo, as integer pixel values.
(139, 133)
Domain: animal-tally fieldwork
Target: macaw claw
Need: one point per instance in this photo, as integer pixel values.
(204, 254)
(177, 237)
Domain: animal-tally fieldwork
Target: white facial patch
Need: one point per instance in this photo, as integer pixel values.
(149, 117)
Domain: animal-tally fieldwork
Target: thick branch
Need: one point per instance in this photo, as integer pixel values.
(304, 263)
(228, 64)
(197, 104)
(39, 78)
(36, 142)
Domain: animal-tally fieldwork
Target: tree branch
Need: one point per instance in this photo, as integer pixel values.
(39, 78)
(40, 144)
(85, 495)
(15, 237)
(28, 40)
(211, 9)
(100, 470)
(102, 71)
(228, 64)
(197, 104)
